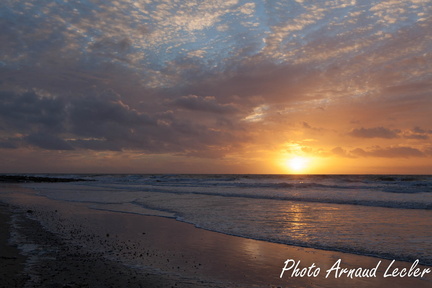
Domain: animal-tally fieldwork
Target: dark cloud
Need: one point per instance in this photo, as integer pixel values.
(278, 83)
(25, 112)
(381, 132)
(204, 104)
(416, 136)
(339, 151)
(95, 144)
(8, 144)
(419, 130)
(104, 122)
(47, 141)
(112, 48)
(419, 87)
(389, 152)
(104, 115)
(417, 133)
(112, 45)
(308, 126)
(375, 132)
(381, 152)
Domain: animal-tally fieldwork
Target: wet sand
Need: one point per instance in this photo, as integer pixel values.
(80, 247)
(11, 261)
(50, 261)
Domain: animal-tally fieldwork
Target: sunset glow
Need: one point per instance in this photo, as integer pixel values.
(216, 86)
(298, 164)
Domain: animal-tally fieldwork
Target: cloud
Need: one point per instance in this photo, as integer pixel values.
(385, 133)
(417, 133)
(30, 110)
(375, 132)
(257, 115)
(309, 127)
(389, 152)
(339, 151)
(210, 78)
(428, 150)
(103, 121)
(118, 49)
(105, 115)
(8, 144)
(397, 151)
(47, 141)
(204, 104)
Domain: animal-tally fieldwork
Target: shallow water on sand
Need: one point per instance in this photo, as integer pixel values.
(168, 247)
(385, 216)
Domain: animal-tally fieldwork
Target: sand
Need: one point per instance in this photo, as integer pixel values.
(52, 262)
(80, 247)
(11, 261)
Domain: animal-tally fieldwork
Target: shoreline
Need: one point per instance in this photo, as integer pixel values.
(119, 249)
(46, 260)
(12, 262)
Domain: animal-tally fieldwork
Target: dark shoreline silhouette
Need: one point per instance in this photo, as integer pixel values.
(36, 179)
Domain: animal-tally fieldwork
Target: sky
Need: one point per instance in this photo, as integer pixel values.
(222, 86)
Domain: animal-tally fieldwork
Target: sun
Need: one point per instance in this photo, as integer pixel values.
(297, 164)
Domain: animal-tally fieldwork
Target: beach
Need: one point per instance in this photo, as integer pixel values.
(11, 261)
(66, 244)
(44, 259)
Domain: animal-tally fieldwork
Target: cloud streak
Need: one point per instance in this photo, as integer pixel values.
(383, 152)
(375, 132)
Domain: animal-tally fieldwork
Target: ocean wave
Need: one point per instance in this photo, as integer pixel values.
(388, 184)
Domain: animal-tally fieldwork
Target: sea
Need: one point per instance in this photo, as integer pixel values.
(387, 216)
